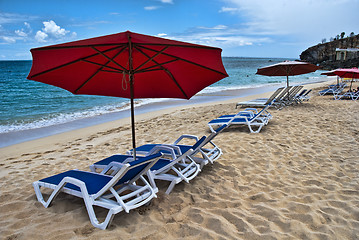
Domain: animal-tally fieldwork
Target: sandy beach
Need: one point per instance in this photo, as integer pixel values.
(297, 179)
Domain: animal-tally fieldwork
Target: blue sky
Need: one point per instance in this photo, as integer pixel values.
(245, 28)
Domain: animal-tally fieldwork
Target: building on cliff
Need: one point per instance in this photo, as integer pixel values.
(341, 53)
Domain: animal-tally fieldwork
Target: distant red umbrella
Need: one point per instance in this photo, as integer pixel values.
(331, 73)
(347, 73)
(287, 68)
(128, 65)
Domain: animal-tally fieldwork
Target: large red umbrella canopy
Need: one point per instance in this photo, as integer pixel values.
(161, 68)
(287, 68)
(128, 65)
(347, 73)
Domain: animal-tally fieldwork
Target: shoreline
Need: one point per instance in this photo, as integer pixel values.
(142, 113)
(17, 137)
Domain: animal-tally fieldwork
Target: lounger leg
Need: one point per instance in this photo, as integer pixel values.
(151, 179)
(211, 128)
(257, 131)
(171, 186)
(89, 203)
(53, 195)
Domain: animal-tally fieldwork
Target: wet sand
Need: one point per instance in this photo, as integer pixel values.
(297, 179)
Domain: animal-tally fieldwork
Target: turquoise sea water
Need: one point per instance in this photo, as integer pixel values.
(27, 104)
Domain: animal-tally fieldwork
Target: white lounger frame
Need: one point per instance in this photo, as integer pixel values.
(138, 196)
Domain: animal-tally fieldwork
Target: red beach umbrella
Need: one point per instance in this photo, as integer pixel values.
(331, 73)
(287, 68)
(347, 73)
(128, 65)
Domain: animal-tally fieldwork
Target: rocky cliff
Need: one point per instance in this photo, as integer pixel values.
(329, 57)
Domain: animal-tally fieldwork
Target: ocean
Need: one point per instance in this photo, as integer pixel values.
(26, 104)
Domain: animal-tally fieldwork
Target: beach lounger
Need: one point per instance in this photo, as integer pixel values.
(203, 153)
(299, 95)
(249, 118)
(261, 102)
(250, 112)
(290, 98)
(305, 96)
(347, 95)
(172, 167)
(333, 89)
(125, 190)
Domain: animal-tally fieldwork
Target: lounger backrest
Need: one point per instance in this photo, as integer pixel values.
(301, 93)
(261, 111)
(306, 94)
(138, 167)
(215, 133)
(131, 171)
(198, 143)
(274, 95)
(294, 91)
(282, 94)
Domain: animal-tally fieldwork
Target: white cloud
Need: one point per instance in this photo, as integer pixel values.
(218, 36)
(51, 31)
(161, 35)
(151, 8)
(51, 28)
(6, 18)
(41, 36)
(300, 19)
(167, 1)
(9, 39)
(218, 27)
(21, 33)
(228, 9)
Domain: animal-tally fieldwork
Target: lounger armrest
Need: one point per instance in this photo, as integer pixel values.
(170, 148)
(240, 114)
(114, 166)
(186, 136)
(251, 109)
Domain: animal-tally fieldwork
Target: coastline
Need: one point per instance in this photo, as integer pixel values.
(51, 139)
(16, 137)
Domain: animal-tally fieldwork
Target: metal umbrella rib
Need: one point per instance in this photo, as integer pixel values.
(98, 70)
(69, 63)
(185, 60)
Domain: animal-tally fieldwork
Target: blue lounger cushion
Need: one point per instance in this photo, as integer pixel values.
(184, 148)
(149, 147)
(226, 120)
(121, 158)
(93, 182)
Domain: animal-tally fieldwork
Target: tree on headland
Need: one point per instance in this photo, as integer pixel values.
(341, 36)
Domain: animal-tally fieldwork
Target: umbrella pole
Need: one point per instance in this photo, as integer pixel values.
(351, 83)
(288, 87)
(133, 118)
